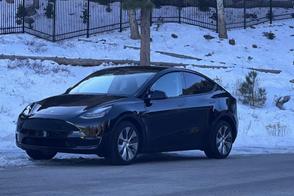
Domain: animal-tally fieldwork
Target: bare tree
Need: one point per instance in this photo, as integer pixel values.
(222, 30)
(134, 27)
(145, 7)
(145, 38)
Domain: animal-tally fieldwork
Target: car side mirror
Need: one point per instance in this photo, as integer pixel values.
(157, 95)
(154, 95)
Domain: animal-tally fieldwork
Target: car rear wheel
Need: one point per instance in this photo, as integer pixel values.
(124, 145)
(40, 155)
(220, 141)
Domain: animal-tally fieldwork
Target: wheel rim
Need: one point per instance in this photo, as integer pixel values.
(128, 143)
(224, 140)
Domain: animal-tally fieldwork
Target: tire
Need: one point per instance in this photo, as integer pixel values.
(40, 155)
(220, 141)
(124, 144)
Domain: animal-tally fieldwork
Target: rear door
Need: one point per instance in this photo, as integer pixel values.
(199, 106)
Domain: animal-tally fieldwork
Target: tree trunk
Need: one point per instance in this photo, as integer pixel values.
(36, 4)
(145, 36)
(133, 24)
(222, 30)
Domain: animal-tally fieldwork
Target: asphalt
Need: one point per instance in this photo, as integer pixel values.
(158, 174)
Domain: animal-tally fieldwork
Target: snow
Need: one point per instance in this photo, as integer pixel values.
(261, 130)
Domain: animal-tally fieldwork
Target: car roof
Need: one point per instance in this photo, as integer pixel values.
(132, 69)
(143, 69)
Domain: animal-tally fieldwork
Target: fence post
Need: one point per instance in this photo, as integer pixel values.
(151, 19)
(88, 18)
(120, 16)
(271, 11)
(180, 14)
(54, 21)
(216, 16)
(244, 5)
(23, 17)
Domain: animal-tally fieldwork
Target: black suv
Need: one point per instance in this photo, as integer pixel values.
(120, 112)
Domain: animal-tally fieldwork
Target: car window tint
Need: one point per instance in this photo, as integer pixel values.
(195, 84)
(170, 84)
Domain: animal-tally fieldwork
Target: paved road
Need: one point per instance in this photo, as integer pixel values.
(160, 174)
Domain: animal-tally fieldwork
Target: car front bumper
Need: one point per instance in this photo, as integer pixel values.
(58, 136)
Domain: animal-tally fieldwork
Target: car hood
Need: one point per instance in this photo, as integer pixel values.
(68, 106)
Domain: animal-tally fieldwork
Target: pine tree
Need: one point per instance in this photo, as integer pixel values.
(49, 10)
(145, 7)
(85, 13)
(20, 14)
(250, 92)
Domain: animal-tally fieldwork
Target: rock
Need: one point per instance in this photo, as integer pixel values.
(232, 42)
(174, 36)
(208, 37)
(281, 101)
(292, 81)
(254, 46)
(269, 35)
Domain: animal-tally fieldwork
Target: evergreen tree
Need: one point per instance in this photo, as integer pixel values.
(49, 10)
(250, 91)
(20, 14)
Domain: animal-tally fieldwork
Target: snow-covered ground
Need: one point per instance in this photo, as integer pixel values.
(22, 82)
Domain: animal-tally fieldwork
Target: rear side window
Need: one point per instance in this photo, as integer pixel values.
(195, 84)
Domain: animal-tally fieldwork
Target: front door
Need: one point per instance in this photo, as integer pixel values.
(164, 118)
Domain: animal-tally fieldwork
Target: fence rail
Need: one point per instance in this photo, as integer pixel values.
(62, 19)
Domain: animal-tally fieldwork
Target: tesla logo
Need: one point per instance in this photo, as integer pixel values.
(44, 133)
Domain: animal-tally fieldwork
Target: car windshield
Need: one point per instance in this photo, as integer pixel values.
(112, 83)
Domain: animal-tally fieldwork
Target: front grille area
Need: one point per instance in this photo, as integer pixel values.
(53, 128)
(51, 133)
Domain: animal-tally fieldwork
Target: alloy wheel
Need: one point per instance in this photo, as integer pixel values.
(128, 143)
(224, 140)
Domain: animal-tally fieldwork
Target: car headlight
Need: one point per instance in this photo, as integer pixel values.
(31, 109)
(96, 113)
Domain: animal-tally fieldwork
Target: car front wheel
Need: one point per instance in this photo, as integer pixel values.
(40, 155)
(124, 145)
(220, 141)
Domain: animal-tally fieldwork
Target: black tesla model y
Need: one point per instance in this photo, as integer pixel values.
(118, 113)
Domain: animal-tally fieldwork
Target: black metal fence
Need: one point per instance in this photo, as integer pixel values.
(62, 19)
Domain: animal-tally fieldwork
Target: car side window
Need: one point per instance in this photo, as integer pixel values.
(195, 84)
(171, 84)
